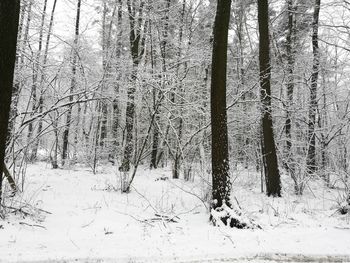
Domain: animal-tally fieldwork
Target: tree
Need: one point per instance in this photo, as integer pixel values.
(36, 67)
(290, 82)
(219, 149)
(272, 176)
(9, 20)
(137, 44)
(163, 51)
(311, 154)
(40, 105)
(72, 86)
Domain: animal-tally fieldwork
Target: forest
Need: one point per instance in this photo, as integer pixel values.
(174, 131)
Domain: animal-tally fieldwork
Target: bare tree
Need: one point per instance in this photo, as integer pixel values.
(311, 154)
(72, 86)
(272, 176)
(137, 43)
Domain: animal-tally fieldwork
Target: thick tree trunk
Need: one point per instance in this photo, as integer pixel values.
(272, 176)
(311, 154)
(220, 157)
(17, 86)
(9, 20)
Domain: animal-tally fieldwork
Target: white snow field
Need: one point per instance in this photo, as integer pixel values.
(76, 216)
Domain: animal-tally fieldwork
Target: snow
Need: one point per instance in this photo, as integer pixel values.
(78, 216)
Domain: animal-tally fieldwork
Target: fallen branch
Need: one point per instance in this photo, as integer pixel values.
(19, 210)
(32, 225)
(163, 218)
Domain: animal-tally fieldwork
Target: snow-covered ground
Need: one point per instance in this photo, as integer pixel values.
(78, 216)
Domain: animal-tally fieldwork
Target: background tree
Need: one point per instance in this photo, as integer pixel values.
(72, 85)
(311, 154)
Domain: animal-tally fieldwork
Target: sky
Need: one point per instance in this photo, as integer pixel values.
(65, 20)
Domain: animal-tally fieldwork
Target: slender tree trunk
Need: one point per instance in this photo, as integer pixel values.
(219, 151)
(9, 20)
(41, 97)
(107, 58)
(35, 101)
(116, 107)
(178, 154)
(137, 48)
(163, 52)
(55, 150)
(290, 85)
(311, 154)
(272, 176)
(72, 87)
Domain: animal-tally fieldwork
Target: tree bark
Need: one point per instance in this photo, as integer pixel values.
(311, 154)
(9, 20)
(290, 84)
(17, 86)
(219, 150)
(116, 107)
(272, 176)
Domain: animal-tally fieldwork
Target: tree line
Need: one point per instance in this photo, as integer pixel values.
(206, 87)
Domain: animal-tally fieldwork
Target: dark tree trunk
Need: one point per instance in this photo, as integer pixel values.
(311, 154)
(72, 87)
(54, 158)
(9, 19)
(220, 158)
(272, 176)
(17, 86)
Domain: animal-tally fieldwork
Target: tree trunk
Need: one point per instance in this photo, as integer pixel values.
(163, 52)
(290, 85)
(72, 87)
(220, 157)
(311, 154)
(116, 107)
(41, 98)
(272, 176)
(9, 20)
(17, 86)
(180, 90)
(137, 48)
(35, 101)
